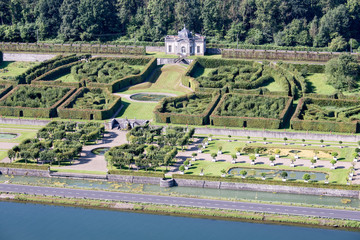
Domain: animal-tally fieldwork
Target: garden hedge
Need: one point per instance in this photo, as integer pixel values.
(73, 48)
(1, 57)
(251, 122)
(266, 182)
(151, 64)
(324, 126)
(55, 73)
(280, 55)
(18, 111)
(175, 118)
(65, 111)
(46, 66)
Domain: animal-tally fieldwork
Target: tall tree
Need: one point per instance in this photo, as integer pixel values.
(96, 18)
(48, 18)
(68, 12)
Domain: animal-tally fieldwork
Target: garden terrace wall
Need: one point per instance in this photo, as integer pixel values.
(72, 48)
(175, 118)
(19, 111)
(128, 81)
(59, 71)
(282, 55)
(251, 122)
(66, 112)
(324, 126)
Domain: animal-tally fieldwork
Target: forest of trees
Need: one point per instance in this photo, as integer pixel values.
(319, 23)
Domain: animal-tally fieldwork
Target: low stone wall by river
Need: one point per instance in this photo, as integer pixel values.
(267, 188)
(133, 179)
(24, 172)
(187, 183)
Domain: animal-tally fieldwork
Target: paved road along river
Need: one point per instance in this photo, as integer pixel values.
(181, 201)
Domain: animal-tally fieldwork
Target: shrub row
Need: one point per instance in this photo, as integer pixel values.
(217, 62)
(201, 119)
(151, 64)
(266, 47)
(73, 48)
(251, 122)
(267, 182)
(25, 166)
(280, 55)
(1, 57)
(136, 173)
(18, 111)
(46, 66)
(324, 126)
(55, 73)
(66, 111)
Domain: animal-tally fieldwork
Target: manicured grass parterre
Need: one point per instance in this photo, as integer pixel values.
(166, 79)
(138, 110)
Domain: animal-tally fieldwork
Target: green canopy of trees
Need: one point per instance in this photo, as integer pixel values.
(285, 23)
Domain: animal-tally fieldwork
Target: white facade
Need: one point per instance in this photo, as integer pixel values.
(185, 43)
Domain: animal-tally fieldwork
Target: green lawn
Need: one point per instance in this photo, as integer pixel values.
(65, 78)
(167, 79)
(274, 87)
(24, 134)
(3, 154)
(214, 169)
(138, 110)
(345, 154)
(11, 69)
(317, 82)
(15, 126)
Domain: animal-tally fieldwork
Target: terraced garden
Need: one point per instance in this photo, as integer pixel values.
(251, 106)
(34, 97)
(93, 99)
(8, 70)
(103, 71)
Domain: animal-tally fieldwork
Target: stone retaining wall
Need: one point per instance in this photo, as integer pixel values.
(24, 172)
(162, 61)
(278, 134)
(78, 175)
(133, 179)
(267, 188)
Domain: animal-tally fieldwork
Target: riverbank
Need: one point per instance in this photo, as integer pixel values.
(221, 214)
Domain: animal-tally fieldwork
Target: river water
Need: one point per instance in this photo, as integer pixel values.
(185, 191)
(20, 221)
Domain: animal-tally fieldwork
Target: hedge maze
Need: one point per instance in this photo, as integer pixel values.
(90, 103)
(337, 115)
(254, 111)
(39, 93)
(193, 109)
(34, 101)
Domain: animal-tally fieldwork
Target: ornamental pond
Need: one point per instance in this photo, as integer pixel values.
(8, 135)
(184, 191)
(148, 97)
(38, 222)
